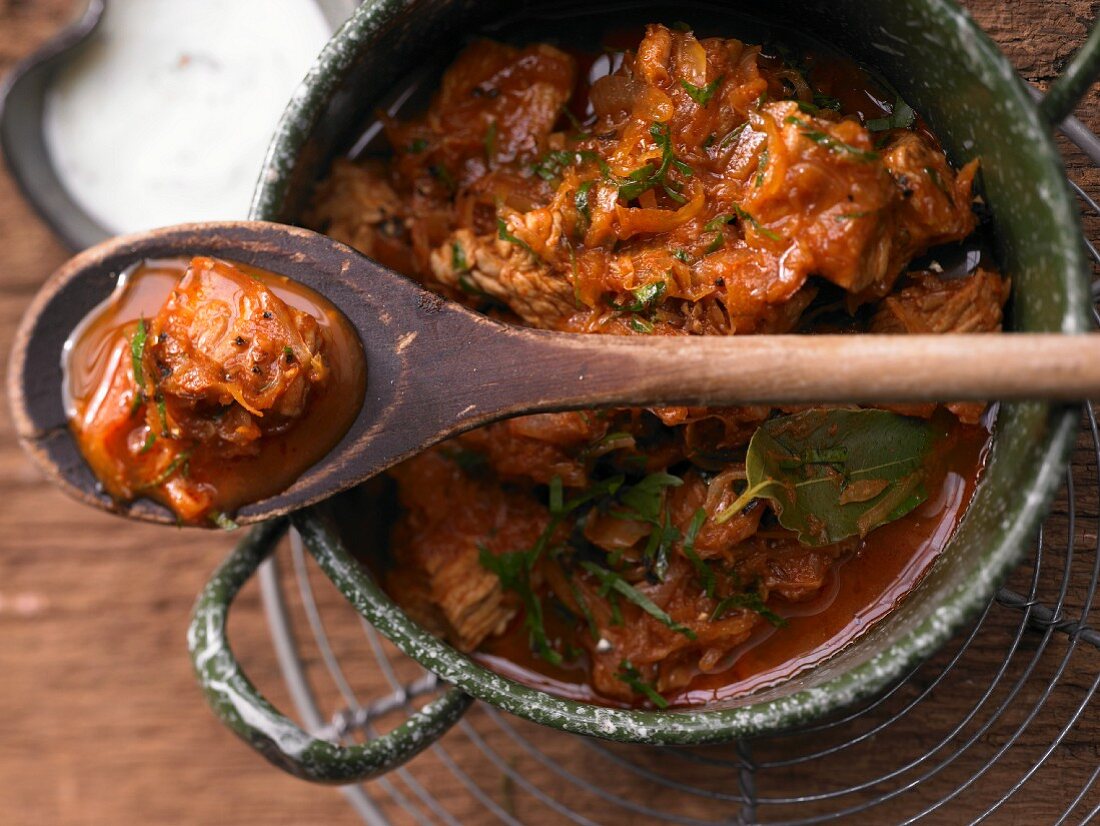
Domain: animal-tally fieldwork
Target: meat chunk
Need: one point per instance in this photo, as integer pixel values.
(225, 343)
(437, 544)
(358, 204)
(930, 304)
(935, 201)
(510, 272)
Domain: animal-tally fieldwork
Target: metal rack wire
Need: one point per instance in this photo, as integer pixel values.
(902, 757)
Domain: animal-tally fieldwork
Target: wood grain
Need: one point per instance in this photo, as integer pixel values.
(101, 719)
(438, 369)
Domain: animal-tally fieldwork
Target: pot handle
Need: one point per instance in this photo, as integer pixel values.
(1080, 73)
(251, 717)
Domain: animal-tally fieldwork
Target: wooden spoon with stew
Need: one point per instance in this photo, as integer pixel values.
(244, 393)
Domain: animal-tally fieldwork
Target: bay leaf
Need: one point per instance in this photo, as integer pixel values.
(835, 473)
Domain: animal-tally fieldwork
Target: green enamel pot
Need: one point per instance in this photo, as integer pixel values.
(950, 71)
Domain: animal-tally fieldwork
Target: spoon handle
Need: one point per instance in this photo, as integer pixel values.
(562, 371)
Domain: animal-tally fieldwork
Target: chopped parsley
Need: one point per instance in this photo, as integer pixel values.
(149, 440)
(762, 167)
(829, 142)
(514, 568)
(681, 255)
(223, 521)
(551, 165)
(763, 230)
(716, 225)
(632, 677)
(612, 582)
(900, 117)
(137, 352)
(645, 297)
(162, 414)
(823, 101)
(417, 146)
(515, 574)
(506, 235)
(751, 601)
(702, 569)
(458, 258)
(640, 325)
(702, 94)
(648, 177)
(580, 200)
(181, 465)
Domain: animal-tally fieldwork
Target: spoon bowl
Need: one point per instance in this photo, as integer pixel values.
(436, 369)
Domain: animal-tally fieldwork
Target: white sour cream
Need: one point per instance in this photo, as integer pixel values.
(166, 115)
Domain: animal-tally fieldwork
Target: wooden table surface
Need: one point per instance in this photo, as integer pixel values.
(100, 719)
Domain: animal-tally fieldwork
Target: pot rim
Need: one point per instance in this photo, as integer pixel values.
(695, 726)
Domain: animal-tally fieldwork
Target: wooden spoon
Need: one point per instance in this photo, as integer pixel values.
(435, 369)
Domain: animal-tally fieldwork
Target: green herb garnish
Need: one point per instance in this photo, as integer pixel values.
(178, 465)
(580, 200)
(149, 440)
(551, 165)
(826, 102)
(681, 255)
(640, 325)
(900, 117)
(458, 258)
(752, 601)
(162, 414)
(762, 167)
(647, 177)
(515, 575)
(702, 94)
(760, 228)
(632, 677)
(506, 235)
(137, 352)
(223, 521)
(610, 582)
(514, 568)
(645, 297)
(702, 569)
(829, 142)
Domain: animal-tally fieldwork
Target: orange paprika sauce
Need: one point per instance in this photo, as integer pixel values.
(116, 427)
(861, 588)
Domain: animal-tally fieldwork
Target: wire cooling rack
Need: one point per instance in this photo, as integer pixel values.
(1018, 742)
